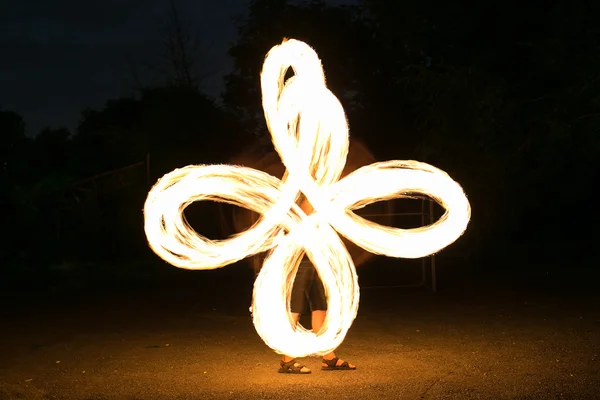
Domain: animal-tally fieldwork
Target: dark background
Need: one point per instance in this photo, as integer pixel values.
(98, 100)
(504, 96)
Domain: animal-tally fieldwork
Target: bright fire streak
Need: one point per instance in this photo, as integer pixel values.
(310, 133)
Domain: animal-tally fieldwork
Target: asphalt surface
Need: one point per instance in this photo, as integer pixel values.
(192, 342)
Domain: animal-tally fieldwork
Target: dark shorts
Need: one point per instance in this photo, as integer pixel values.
(308, 288)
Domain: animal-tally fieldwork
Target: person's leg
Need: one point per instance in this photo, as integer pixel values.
(295, 318)
(318, 317)
(289, 364)
(318, 304)
(297, 301)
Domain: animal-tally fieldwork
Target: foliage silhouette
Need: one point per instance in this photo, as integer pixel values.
(503, 96)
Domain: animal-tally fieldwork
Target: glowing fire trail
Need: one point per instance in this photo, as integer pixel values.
(310, 133)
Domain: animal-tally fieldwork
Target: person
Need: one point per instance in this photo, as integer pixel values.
(308, 286)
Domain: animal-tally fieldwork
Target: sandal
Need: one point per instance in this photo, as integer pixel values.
(332, 365)
(292, 367)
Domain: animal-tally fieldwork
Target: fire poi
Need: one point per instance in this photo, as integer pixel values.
(310, 133)
(236, 219)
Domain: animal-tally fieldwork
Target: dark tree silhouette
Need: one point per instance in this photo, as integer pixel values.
(180, 50)
(174, 126)
(340, 42)
(13, 145)
(501, 96)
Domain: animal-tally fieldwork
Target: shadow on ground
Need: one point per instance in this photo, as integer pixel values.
(189, 341)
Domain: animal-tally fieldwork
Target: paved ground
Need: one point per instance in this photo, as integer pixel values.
(492, 343)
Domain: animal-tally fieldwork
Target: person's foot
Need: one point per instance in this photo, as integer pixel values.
(334, 363)
(293, 367)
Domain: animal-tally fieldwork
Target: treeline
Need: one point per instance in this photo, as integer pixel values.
(504, 97)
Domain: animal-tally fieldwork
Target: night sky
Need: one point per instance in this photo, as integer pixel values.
(62, 56)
